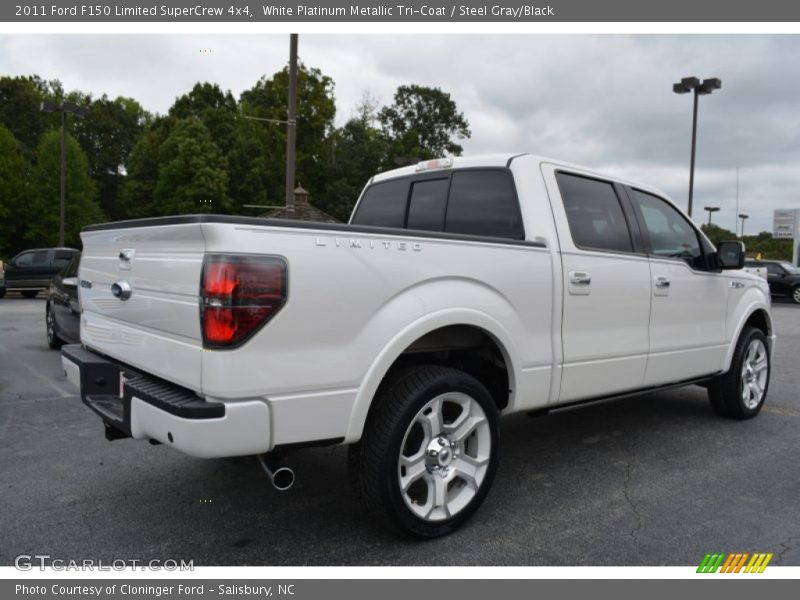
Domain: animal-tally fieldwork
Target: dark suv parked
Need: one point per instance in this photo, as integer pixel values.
(783, 277)
(31, 271)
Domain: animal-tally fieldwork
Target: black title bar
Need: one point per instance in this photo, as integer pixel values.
(416, 11)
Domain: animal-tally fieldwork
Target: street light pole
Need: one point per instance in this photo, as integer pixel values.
(743, 217)
(711, 210)
(78, 111)
(692, 84)
(694, 146)
(63, 191)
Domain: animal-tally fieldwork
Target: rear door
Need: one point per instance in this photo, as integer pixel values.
(606, 300)
(687, 321)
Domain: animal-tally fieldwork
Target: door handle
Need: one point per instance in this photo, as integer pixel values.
(578, 278)
(662, 283)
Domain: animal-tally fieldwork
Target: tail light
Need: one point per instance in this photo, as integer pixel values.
(239, 294)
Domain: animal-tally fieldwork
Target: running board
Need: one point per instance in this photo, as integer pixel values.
(540, 412)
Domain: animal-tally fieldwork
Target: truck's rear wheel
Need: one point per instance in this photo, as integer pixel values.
(740, 393)
(429, 451)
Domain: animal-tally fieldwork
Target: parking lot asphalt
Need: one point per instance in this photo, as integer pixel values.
(648, 480)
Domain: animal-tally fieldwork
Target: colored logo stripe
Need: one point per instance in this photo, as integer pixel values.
(734, 562)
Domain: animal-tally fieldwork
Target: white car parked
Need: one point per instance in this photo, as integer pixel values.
(461, 290)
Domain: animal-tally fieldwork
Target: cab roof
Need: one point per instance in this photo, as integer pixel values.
(503, 160)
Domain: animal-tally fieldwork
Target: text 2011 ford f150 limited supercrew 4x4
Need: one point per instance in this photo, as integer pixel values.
(461, 290)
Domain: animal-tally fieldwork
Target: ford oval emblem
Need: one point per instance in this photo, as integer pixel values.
(121, 289)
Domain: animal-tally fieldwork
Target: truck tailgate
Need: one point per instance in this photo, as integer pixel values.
(157, 328)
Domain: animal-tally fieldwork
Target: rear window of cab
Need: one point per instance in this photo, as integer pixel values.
(481, 202)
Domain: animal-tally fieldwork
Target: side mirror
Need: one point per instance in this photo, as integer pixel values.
(731, 254)
(70, 282)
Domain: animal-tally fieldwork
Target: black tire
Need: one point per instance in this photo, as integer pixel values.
(29, 293)
(726, 391)
(396, 406)
(794, 294)
(53, 340)
(2, 292)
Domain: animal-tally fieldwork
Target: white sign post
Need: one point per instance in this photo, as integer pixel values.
(786, 225)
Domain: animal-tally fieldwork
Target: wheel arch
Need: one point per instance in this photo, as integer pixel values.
(757, 315)
(420, 338)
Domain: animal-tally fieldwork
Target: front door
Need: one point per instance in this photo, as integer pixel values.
(687, 321)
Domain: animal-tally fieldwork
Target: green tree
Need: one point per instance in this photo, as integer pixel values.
(762, 244)
(216, 109)
(20, 109)
(192, 172)
(359, 150)
(421, 124)
(316, 109)
(251, 174)
(14, 192)
(81, 208)
(137, 197)
(107, 134)
(718, 234)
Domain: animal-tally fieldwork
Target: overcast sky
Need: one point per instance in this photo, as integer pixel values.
(604, 101)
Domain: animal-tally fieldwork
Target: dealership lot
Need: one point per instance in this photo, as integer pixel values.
(648, 480)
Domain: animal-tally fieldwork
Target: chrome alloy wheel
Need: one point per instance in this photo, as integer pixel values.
(51, 326)
(444, 456)
(755, 369)
(796, 295)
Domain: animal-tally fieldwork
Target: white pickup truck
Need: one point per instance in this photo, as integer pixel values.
(461, 290)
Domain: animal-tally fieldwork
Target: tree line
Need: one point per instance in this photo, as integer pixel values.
(762, 244)
(203, 155)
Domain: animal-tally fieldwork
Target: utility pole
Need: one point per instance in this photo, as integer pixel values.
(291, 125)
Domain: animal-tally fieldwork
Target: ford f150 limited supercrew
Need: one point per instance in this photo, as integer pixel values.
(462, 289)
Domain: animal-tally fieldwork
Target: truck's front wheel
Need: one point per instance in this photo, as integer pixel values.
(740, 393)
(429, 451)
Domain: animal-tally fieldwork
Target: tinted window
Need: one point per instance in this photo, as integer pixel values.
(383, 204)
(595, 216)
(34, 257)
(483, 203)
(774, 269)
(62, 257)
(427, 204)
(671, 235)
(24, 259)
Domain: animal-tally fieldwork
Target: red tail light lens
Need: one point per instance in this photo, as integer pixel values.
(239, 294)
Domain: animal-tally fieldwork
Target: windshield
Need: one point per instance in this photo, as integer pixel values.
(790, 268)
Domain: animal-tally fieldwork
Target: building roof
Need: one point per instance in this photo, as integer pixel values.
(300, 210)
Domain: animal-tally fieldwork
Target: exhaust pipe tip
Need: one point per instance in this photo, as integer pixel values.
(280, 475)
(282, 479)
